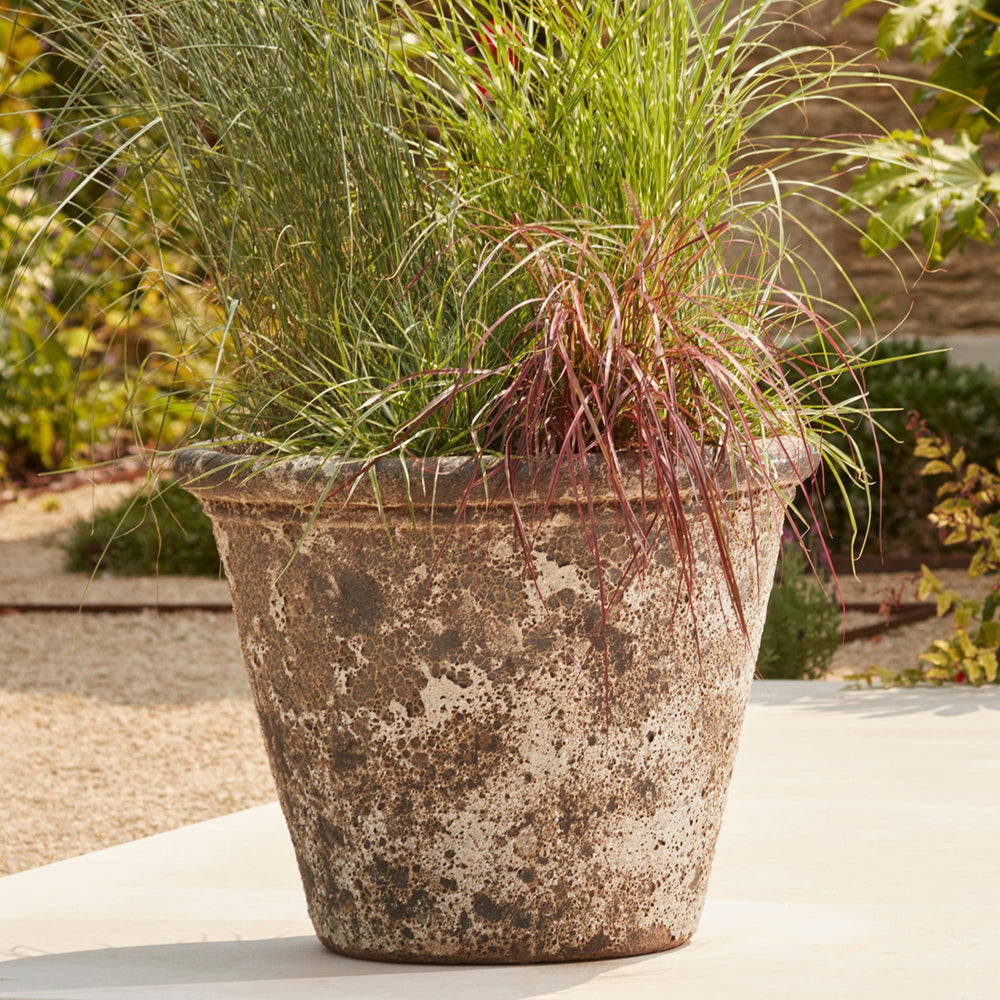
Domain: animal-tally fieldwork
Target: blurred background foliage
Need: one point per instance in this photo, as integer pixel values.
(943, 183)
(959, 402)
(94, 360)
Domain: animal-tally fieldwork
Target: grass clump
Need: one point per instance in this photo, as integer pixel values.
(376, 190)
(529, 233)
(162, 531)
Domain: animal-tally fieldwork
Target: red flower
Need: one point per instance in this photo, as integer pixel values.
(489, 33)
(486, 42)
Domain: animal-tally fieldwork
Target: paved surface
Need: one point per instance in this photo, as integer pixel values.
(858, 859)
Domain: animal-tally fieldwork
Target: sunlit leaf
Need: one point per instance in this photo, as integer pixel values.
(963, 615)
(913, 180)
(930, 21)
(929, 584)
(938, 659)
(988, 662)
(945, 600)
(935, 468)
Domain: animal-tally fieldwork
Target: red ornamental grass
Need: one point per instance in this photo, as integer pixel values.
(641, 345)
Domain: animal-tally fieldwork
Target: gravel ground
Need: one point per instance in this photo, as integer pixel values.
(114, 727)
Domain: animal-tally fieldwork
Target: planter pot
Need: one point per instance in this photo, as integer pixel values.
(462, 778)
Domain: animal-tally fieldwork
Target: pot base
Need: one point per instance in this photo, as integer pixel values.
(646, 942)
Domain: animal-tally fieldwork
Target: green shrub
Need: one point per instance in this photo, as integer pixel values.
(87, 335)
(162, 532)
(803, 626)
(958, 402)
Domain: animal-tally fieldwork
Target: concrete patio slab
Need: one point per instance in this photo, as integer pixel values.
(858, 859)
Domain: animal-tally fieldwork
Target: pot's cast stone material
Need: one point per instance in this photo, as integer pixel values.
(462, 778)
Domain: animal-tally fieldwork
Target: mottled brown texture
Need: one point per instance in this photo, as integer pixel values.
(436, 721)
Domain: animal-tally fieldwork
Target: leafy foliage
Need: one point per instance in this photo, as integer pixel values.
(88, 338)
(958, 401)
(803, 628)
(939, 185)
(968, 513)
(161, 531)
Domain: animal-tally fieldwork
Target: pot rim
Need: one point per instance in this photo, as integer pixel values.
(230, 474)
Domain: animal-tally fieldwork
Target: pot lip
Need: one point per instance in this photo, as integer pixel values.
(221, 471)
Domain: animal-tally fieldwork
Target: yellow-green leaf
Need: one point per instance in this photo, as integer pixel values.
(957, 537)
(976, 565)
(935, 468)
(988, 661)
(968, 648)
(929, 584)
(945, 600)
(938, 659)
(929, 447)
(973, 671)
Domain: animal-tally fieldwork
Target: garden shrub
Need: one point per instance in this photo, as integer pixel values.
(958, 402)
(803, 626)
(967, 513)
(937, 178)
(88, 342)
(160, 531)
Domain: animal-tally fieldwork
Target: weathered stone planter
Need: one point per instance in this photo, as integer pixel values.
(461, 781)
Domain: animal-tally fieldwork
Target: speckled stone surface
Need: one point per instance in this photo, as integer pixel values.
(462, 779)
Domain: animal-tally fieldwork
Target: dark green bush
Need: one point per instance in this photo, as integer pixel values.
(165, 533)
(803, 626)
(959, 402)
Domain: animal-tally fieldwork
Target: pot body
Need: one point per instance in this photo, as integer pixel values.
(464, 777)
